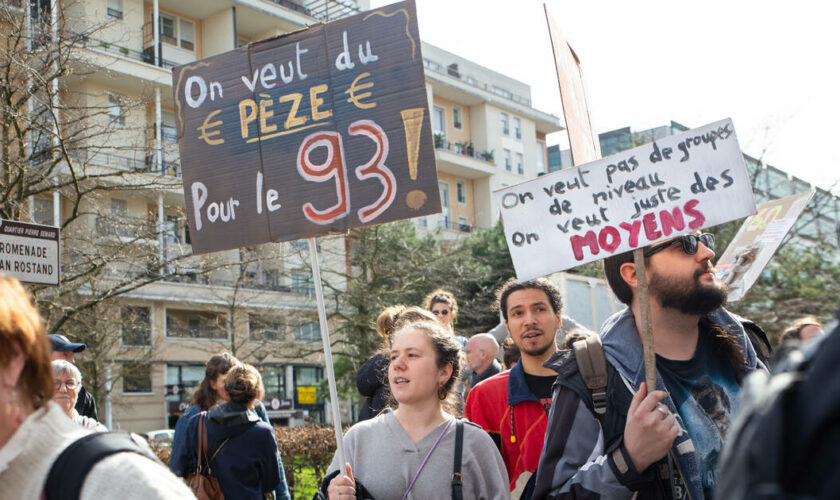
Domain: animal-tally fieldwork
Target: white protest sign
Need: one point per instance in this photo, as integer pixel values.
(756, 242)
(29, 252)
(654, 192)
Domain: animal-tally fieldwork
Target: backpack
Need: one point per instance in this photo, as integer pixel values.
(783, 442)
(68, 472)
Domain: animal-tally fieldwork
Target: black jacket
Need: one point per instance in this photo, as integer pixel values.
(372, 382)
(246, 465)
(85, 404)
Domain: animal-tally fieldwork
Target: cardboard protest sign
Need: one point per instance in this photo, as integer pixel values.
(756, 242)
(583, 141)
(307, 134)
(29, 252)
(643, 195)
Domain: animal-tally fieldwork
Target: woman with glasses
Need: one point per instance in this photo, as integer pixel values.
(68, 382)
(443, 305)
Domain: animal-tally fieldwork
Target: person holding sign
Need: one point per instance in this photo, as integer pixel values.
(513, 406)
(662, 443)
(415, 451)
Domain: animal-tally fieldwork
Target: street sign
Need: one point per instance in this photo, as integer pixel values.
(29, 252)
(307, 134)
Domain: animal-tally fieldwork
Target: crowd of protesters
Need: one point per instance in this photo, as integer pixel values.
(555, 411)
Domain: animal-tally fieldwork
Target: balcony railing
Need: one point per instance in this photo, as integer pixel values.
(469, 80)
(446, 223)
(465, 149)
(289, 4)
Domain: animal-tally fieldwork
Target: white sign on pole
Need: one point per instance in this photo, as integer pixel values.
(29, 252)
(654, 192)
(756, 242)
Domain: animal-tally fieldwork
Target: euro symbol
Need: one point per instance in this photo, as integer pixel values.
(208, 136)
(357, 87)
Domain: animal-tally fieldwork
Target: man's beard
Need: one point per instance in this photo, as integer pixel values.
(689, 296)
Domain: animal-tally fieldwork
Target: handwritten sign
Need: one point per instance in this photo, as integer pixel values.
(583, 141)
(643, 195)
(757, 240)
(307, 134)
(29, 252)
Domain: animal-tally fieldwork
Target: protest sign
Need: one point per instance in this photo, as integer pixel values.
(756, 241)
(643, 195)
(29, 252)
(583, 141)
(307, 134)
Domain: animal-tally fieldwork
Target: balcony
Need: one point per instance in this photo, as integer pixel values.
(462, 159)
(469, 80)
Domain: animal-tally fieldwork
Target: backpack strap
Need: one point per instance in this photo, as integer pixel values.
(68, 472)
(457, 482)
(592, 365)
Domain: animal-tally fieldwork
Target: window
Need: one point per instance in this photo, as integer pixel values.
(196, 324)
(266, 328)
(137, 378)
(307, 332)
(456, 117)
(520, 168)
(439, 121)
(167, 131)
(119, 207)
(302, 283)
(167, 30)
(508, 166)
(187, 35)
(443, 218)
(517, 127)
(274, 382)
(136, 326)
(115, 9)
(505, 125)
(42, 211)
(177, 31)
(461, 189)
(116, 114)
(180, 381)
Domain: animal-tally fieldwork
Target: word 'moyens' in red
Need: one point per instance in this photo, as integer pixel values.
(609, 238)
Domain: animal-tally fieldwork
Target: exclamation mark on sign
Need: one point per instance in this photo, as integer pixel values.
(413, 124)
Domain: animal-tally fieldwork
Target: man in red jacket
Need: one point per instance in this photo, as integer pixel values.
(513, 405)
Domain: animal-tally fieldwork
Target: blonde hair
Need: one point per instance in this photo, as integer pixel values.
(22, 333)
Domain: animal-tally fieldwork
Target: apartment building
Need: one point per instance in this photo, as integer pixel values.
(117, 105)
(820, 223)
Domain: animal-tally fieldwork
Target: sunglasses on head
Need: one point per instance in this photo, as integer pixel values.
(690, 243)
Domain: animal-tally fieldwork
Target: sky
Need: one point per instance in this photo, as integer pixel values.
(769, 65)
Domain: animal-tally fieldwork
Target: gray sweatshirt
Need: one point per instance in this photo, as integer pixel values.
(384, 460)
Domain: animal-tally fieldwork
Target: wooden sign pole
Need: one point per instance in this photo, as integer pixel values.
(585, 147)
(646, 333)
(328, 362)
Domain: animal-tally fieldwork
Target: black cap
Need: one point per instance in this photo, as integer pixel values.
(60, 343)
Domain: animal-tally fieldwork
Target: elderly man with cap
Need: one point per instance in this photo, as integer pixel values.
(62, 348)
(481, 350)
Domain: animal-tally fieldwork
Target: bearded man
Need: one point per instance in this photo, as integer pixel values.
(662, 444)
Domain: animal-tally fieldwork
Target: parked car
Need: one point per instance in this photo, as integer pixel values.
(161, 438)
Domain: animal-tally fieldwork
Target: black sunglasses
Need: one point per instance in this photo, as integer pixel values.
(690, 243)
